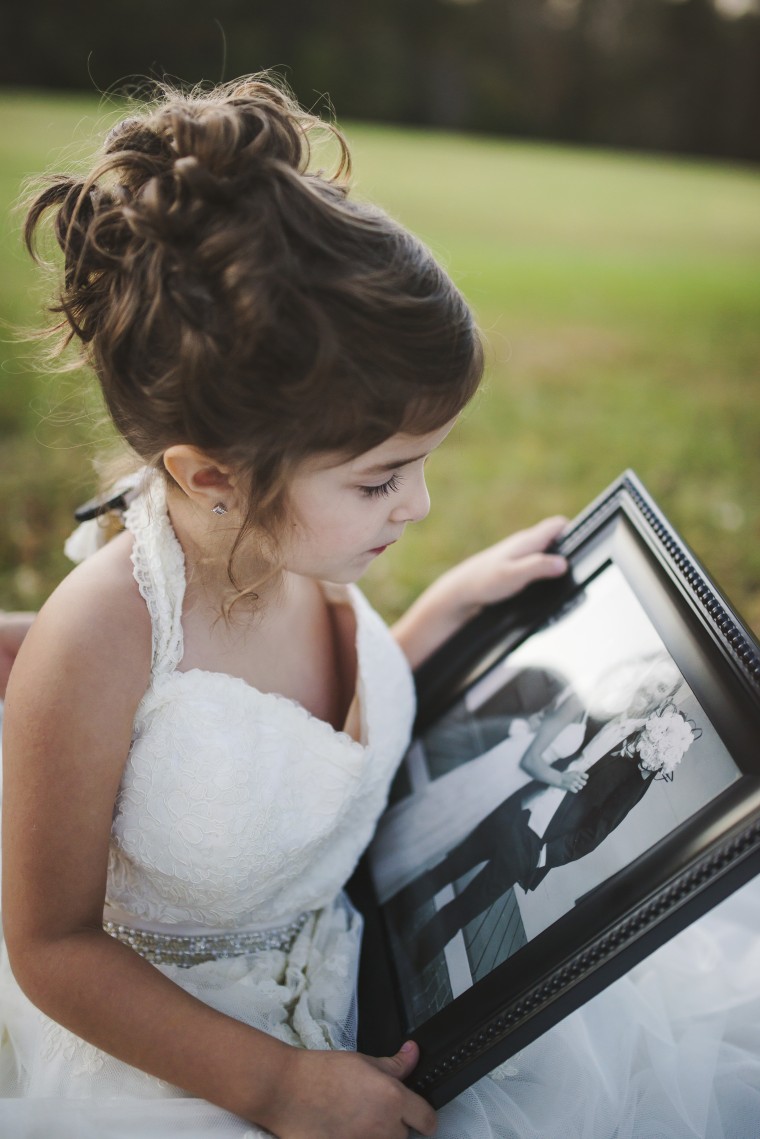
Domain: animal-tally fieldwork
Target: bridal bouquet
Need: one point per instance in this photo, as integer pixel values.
(664, 740)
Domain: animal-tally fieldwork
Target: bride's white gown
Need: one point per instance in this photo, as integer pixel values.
(239, 812)
(419, 830)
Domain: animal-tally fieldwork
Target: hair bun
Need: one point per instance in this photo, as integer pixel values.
(211, 147)
(134, 134)
(255, 129)
(194, 180)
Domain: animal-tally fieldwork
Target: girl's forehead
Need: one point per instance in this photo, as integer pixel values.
(397, 451)
(392, 454)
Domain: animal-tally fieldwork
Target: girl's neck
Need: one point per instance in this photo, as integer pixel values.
(207, 543)
(287, 641)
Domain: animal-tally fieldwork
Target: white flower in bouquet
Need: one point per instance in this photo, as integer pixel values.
(664, 740)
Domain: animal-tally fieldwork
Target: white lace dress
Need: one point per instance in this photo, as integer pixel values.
(238, 814)
(239, 818)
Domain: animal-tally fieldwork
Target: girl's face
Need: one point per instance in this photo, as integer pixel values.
(345, 513)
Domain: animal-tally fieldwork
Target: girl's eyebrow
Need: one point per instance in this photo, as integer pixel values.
(392, 464)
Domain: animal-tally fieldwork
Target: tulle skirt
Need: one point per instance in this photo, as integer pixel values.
(670, 1051)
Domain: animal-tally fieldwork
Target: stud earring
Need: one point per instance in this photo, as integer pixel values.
(220, 508)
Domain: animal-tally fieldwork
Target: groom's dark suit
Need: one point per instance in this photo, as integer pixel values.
(511, 850)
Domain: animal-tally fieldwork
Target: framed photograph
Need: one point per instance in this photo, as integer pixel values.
(583, 782)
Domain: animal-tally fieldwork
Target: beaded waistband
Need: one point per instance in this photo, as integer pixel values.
(193, 949)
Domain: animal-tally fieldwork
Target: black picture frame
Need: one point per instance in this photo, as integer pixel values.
(624, 559)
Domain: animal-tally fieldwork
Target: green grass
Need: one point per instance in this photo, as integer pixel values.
(620, 297)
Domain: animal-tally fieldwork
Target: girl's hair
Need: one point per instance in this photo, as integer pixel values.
(229, 297)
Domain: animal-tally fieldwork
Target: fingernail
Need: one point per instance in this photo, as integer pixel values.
(559, 565)
(407, 1046)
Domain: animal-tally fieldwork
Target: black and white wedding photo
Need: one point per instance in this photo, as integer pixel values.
(552, 773)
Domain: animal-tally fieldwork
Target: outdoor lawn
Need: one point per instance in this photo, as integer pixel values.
(619, 295)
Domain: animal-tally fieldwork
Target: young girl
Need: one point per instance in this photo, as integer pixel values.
(202, 724)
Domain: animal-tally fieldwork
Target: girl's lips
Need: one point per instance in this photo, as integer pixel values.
(379, 549)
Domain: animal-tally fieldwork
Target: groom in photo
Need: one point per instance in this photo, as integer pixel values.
(515, 854)
(517, 847)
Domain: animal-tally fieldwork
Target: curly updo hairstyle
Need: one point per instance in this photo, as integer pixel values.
(229, 297)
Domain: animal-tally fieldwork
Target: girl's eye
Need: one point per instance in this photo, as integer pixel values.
(384, 489)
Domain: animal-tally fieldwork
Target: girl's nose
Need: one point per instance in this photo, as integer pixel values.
(414, 503)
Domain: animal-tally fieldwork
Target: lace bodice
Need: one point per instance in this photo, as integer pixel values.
(238, 807)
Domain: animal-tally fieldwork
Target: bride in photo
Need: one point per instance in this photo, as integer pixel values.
(418, 831)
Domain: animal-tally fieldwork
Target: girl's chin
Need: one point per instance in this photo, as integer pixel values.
(343, 574)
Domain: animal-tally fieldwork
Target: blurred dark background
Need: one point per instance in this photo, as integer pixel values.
(681, 76)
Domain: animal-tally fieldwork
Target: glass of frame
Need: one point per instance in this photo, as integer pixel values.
(583, 782)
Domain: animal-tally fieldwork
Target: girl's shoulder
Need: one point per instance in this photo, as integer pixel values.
(93, 631)
(103, 592)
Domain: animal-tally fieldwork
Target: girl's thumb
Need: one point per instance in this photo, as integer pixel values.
(403, 1063)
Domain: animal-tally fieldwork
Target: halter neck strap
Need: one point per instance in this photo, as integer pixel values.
(159, 570)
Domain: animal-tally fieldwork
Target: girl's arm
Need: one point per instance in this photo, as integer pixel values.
(490, 576)
(71, 703)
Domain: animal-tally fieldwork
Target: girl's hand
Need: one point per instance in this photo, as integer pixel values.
(490, 576)
(502, 570)
(344, 1095)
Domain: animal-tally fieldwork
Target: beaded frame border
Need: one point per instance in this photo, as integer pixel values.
(626, 494)
(690, 572)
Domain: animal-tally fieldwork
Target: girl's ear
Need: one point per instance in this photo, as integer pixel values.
(206, 482)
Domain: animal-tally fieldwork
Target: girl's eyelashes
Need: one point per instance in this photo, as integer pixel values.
(384, 489)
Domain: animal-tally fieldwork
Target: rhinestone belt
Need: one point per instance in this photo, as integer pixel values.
(192, 949)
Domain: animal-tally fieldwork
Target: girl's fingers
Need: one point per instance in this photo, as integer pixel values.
(421, 1117)
(402, 1064)
(533, 567)
(503, 570)
(536, 538)
(417, 1113)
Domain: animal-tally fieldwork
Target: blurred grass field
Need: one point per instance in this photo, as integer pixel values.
(620, 299)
